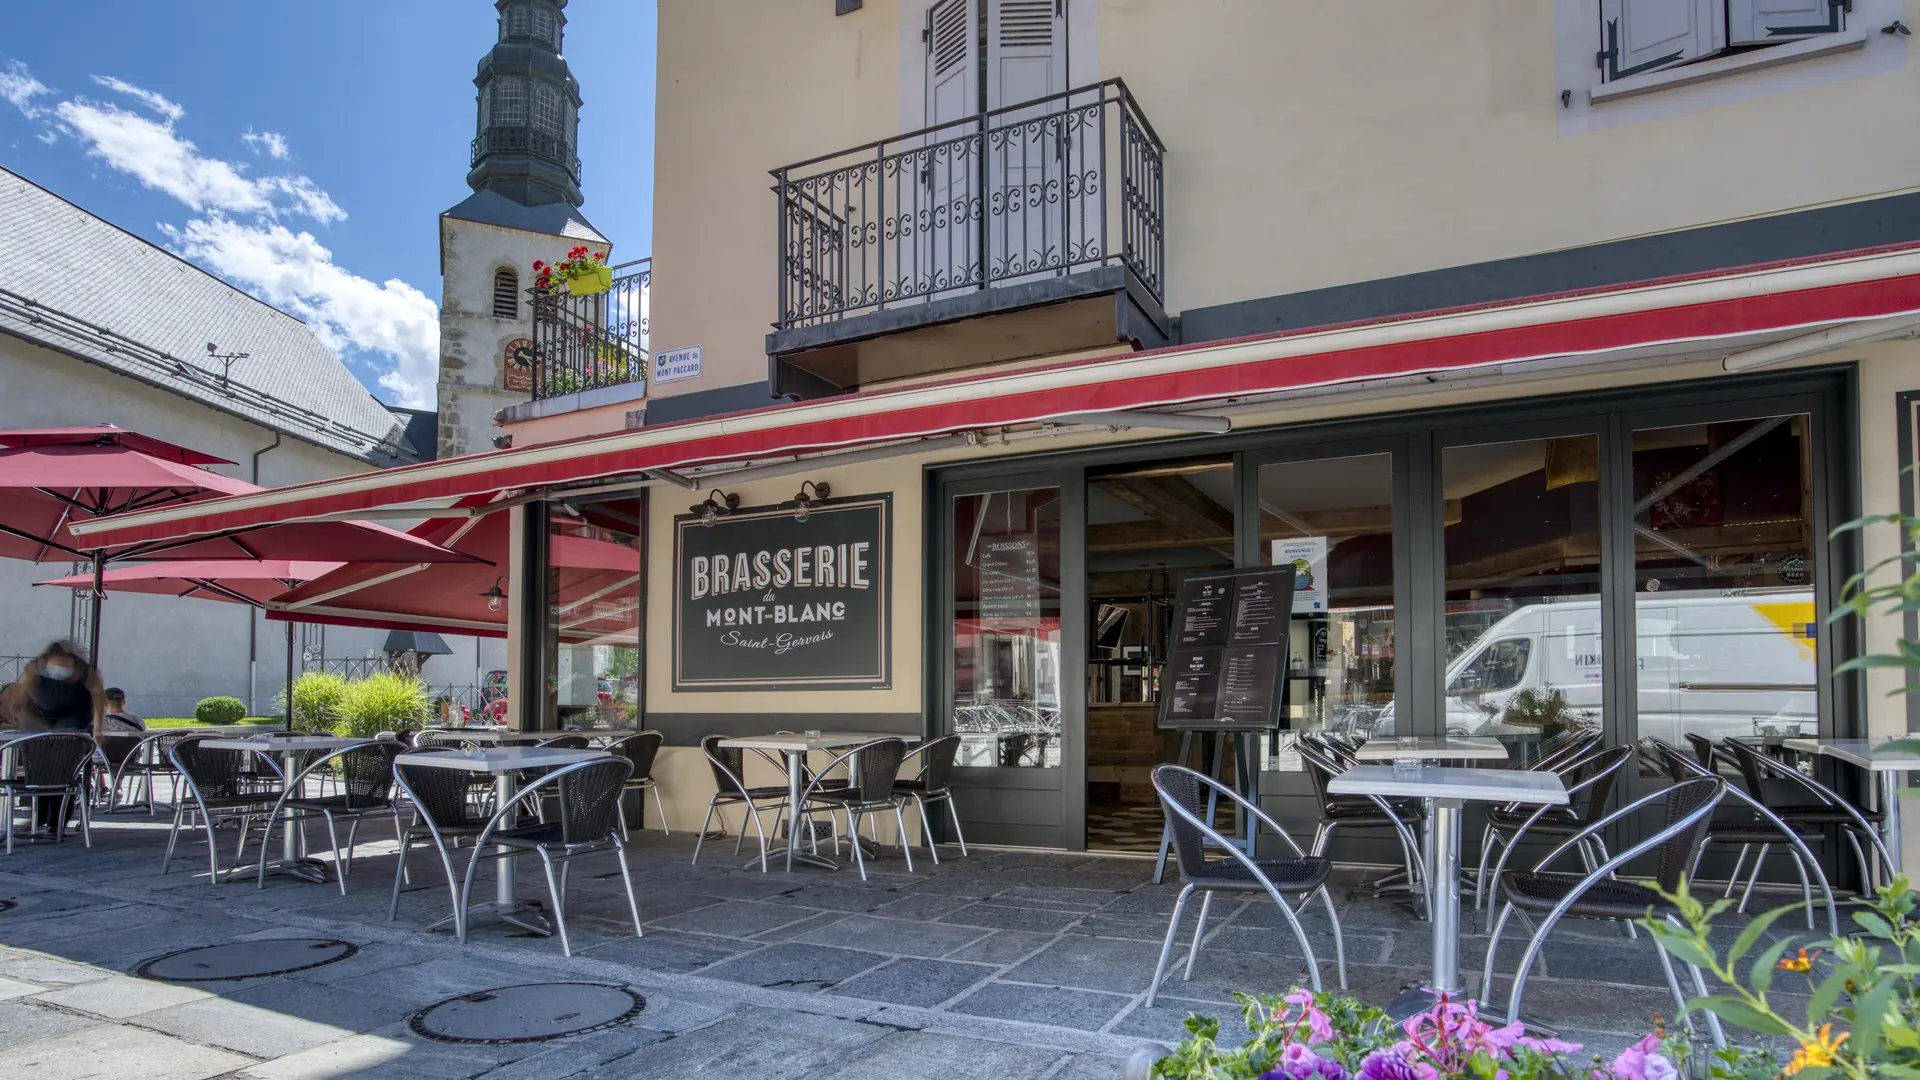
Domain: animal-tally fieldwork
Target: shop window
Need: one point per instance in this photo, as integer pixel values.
(1005, 690)
(1523, 610)
(1724, 564)
(1332, 518)
(594, 608)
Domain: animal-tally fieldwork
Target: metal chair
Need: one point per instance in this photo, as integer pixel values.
(1597, 894)
(641, 750)
(729, 767)
(873, 778)
(1826, 808)
(1589, 783)
(1764, 827)
(48, 765)
(933, 784)
(219, 789)
(1184, 796)
(1362, 812)
(444, 810)
(567, 742)
(364, 773)
(588, 794)
(149, 760)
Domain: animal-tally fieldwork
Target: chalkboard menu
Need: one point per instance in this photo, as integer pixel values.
(765, 601)
(1228, 664)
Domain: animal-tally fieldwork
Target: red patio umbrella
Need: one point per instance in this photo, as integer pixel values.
(51, 478)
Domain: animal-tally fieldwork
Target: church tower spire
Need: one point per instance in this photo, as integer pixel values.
(525, 143)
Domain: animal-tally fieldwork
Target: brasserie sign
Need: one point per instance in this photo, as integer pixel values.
(765, 601)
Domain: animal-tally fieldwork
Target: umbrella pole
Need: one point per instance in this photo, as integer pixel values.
(93, 620)
(290, 676)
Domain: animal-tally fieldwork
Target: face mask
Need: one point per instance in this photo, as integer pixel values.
(57, 671)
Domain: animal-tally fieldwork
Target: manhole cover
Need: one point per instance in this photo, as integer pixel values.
(245, 959)
(536, 1012)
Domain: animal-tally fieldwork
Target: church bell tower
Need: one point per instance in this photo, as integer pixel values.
(526, 140)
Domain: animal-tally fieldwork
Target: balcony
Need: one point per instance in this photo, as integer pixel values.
(1026, 231)
(527, 140)
(585, 343)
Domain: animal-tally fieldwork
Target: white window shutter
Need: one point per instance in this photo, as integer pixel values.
(1647, 35)
(1767, 22)
(953, 61)
(1026, 50)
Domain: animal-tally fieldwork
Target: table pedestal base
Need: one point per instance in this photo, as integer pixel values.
(525, 914)
(311, 871)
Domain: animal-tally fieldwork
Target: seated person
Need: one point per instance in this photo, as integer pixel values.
(118, 718)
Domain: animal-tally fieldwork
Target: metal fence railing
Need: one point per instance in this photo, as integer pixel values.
(587, 342)
(1045, 187)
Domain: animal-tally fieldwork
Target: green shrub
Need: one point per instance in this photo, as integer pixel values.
(318, 701)
(383, 702)
(220, 711)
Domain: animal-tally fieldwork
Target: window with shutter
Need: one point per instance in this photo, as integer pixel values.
(1647, 35)
(1026, 47)
(1770, 22)
(506, 293)
(952, 63)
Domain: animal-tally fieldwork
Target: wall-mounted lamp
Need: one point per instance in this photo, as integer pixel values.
(495, 594)
(803, 503)
(716, 505)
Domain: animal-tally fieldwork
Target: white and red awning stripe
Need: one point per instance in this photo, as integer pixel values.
(1698, 309)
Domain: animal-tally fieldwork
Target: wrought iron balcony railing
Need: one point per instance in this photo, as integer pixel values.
(587, 342)
(1042, 188)
(529, 140)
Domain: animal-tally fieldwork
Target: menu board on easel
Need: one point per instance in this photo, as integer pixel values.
(1227, 668)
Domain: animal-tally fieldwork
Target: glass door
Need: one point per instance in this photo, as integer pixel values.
(1011, 684)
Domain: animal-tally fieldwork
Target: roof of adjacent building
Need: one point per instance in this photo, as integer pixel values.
(489, 207)
(81, 285)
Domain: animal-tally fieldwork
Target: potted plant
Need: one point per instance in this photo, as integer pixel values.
(584, 272)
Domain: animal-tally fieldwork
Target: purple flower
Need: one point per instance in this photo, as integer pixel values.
(1386, 1065)
(1549, 1046)
(1643, 1061)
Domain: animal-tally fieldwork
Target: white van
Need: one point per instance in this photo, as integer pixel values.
(1709, 664)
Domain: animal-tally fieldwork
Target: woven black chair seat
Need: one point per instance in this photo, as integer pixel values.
(1512, 818)
(263, 800)
(1607, 900)
(848, 796)
(1757, 832)
(1822, 814)
(546, 834)
(768, 792)
(1287, 875)
(916, 787)
(339, 804)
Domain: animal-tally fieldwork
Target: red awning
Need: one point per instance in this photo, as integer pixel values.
(1682, 318)
(598, 586)
(107, 435)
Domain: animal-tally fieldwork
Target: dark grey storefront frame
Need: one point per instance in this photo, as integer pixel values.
(1416, 440)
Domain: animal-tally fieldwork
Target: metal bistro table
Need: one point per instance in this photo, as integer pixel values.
(291, 862)
(502, 763)
(1426, 748)
(1446, 791)
(1885, 765)
(796, 746)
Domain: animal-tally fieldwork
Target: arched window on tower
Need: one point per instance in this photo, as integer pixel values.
(506, 293)
(546, 110)
(544, 26)
(510, 100)
(516, 21)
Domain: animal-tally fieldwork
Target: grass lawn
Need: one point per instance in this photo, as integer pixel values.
(188, 721)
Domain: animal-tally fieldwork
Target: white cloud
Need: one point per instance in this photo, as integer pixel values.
(271, 143)
(295, 272)
(145, 97)
(19, 88)
(239, 229)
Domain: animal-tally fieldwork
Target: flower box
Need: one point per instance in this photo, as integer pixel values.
(597, 280)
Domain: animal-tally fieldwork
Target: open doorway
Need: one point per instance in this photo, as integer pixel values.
(1147, 530)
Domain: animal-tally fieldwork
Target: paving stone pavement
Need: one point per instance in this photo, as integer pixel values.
(1001, 964)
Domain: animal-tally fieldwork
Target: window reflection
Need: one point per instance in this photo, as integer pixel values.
(1332, 519)
(1006, 628)
(1724, 559)
(1523, 643)
(593, 614)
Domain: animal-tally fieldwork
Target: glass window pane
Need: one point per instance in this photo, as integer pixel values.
(1333, 519)
(1723, 580)
(510, 100)
(1523, 642)
(593, 614)
(1006, 628)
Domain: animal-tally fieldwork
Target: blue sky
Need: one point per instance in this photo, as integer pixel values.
(304, 151)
